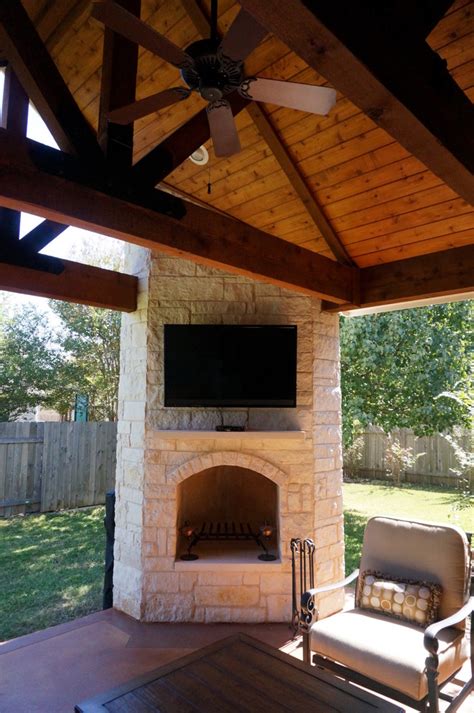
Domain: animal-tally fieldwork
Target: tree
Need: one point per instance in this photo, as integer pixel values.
(395, 364)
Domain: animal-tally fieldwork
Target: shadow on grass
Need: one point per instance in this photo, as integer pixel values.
(354, 526)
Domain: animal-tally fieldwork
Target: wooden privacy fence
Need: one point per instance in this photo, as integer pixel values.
(53, 466)
(433, 468)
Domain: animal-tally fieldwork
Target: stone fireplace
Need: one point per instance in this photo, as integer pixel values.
(173, 467)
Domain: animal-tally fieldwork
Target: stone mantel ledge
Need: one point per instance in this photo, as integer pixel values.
(226, 435)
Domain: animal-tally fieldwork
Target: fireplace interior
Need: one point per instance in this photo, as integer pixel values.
(228, 513)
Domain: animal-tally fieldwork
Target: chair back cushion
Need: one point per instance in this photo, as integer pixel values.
(421, 551)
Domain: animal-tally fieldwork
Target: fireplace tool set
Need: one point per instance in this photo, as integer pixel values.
(302, 571)
(227, 532)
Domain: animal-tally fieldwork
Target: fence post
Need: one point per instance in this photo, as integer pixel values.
(109, 524)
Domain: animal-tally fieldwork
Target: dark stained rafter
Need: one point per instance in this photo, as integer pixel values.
(398, 81)
(170, 153)
(118, 84)
(273, 141)
(15, 120)
(41, 80)
(450, 272)
(76, 283)
(207, 237)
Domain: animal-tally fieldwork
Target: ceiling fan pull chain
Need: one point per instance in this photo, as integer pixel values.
(214, 30)
(209, 186)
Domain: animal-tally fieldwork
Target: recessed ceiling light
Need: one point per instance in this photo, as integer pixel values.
(200, 157)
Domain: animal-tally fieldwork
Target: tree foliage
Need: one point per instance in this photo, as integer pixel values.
(395, 364)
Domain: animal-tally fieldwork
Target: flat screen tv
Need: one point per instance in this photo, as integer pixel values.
(220, 365)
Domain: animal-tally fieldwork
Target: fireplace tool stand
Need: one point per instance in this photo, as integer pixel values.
(302, 572)
(227, 532)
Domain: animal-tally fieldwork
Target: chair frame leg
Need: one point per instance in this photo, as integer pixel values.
(432, 677)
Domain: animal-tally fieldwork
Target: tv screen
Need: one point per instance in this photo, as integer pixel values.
(220, 365)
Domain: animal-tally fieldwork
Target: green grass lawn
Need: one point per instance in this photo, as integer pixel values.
(364, 500)
(51, 569)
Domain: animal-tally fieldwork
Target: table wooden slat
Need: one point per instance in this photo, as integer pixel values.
(237, 675)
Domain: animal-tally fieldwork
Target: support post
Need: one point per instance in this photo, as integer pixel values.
(109, 524)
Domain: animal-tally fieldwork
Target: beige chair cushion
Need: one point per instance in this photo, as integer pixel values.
(386, 650)
(422, 551)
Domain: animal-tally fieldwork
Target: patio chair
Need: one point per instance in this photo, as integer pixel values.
(405, 637)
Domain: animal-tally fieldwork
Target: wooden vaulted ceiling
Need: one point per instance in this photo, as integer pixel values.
(383, 204)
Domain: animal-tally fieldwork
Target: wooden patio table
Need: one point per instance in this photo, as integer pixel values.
(238, 673)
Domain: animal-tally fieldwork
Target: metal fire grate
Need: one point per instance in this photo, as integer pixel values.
(227, 532)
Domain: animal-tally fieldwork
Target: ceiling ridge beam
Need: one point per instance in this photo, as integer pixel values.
(200, 235)
(410, 94)
(44, 84)
(449, 272)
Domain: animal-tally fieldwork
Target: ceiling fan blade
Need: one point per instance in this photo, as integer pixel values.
(304, 97)
(119, 20)
(131, 112)
(243, 36)
(225, 138)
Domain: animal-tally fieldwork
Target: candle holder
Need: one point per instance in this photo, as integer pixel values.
(266, 532)
(189, 532)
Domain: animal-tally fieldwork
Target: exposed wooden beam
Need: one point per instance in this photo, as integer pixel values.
(170, 153)
(44, 84)
(450, 272)
(408, 92)
(298, 183)
(118, 84)
(77, 283)
(201, 235)
(42, 235)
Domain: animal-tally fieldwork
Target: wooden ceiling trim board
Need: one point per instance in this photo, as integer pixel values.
(450, 272)
(443, 140)
(407, 204)
(57, 18)
(43, 83)
(421, 216)
(452, 27)
(426, 247)
(118, 84)
(78, 283)
(203, 236)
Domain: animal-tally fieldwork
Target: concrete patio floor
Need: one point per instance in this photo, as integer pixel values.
(52, 670)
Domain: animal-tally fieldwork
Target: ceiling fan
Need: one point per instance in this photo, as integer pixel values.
(214, 68)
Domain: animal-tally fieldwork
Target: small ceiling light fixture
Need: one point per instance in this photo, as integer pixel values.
(200, 157)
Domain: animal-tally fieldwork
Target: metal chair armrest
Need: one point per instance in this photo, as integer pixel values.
(430, 639)
(309, 612)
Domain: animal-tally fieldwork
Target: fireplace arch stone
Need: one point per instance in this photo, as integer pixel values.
(231, 458)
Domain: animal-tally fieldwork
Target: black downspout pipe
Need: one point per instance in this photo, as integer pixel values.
(109, 524)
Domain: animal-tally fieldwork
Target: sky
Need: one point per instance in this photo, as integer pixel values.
(65, 245)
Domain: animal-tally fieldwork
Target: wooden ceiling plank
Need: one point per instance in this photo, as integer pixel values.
(201, 235)
(425, 110)
(57, 18)
(431, 245)
(118, 85)
(44, 84)
(297, 182)
(450, 272)
(76, 283)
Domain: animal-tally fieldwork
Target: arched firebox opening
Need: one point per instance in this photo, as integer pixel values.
(228, 513)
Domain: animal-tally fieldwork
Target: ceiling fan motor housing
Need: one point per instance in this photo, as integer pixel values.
(213, 75)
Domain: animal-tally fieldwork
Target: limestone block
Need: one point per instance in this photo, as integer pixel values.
(131, 495)
(327, 398)
(205, 419)
(127, 579)
(134, 410)
(330, 507)
(161, 314)
(169, 419)
(225, 596)
(167, 582)
(263, 289)
(329, 418)
(133, 513)
(279, 608)
(327, 347)
(164, 265)
(323, 368)
(187, 581)
(251, 578)
(133, 455)
(238, 615)
(331, 603)
(327, 536)
(324, 571)
(137, 434)
(155, 473)
(327, 434)
(187, 288)
(322, 465)
(334, 484)
(161, 513)
(275, 583)
(169, 607)
(234, 291)
(231, 579)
